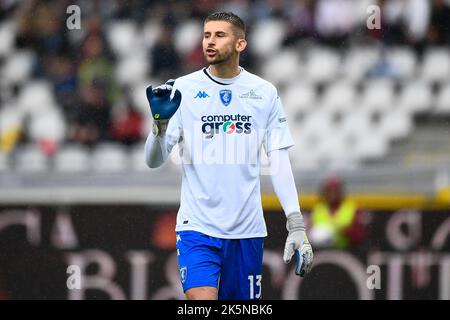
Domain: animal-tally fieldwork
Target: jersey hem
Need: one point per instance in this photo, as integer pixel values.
(223, 236)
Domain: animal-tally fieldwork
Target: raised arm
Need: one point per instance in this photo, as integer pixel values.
(163, 105)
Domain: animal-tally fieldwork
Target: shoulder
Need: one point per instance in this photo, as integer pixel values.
(187, 80)
(262, 84)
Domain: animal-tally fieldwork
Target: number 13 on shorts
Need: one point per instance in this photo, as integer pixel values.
(255, 286)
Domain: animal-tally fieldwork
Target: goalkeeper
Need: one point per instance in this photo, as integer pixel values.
(221, 116)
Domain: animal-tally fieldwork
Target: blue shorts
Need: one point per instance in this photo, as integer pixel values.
(234, 266)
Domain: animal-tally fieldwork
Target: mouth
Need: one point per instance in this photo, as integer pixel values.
(211, 52)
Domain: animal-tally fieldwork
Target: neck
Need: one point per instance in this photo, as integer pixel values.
(225, 71)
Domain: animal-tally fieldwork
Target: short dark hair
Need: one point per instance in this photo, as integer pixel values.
(230, 17)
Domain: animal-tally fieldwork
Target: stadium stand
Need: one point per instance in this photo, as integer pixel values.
(354, 96)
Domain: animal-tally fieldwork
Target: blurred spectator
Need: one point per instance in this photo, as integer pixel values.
(239, 7)
(334, 20)
(126, 126)
(265, 9)
(97, 89)
(439, 31)
(63, 74)
(300, 20)
(95, 65)
(42, 26)
(336, 221)
(392, 28)
(417, 20)
(93, 115)
(383, 69)
(165, 59)
(195, 59)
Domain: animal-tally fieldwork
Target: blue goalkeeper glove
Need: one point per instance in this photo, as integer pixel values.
(297, 243)
(161, 106)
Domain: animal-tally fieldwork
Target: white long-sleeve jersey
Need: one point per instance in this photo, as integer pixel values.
(220, 127)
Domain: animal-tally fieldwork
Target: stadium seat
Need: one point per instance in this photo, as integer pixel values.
(396, 124)
(267, 29)
(339, 97)
(138, 96)
(436, 65)
(109, 158)
(304, 155)
(72, 158)
(403, 61)
(18, 67)
(30, 158)
(322, 65)
(335, 150)
(37, 97)
(282, 68)
(378, 95)
(370, 146)
(357, 62)
(123, 37)
(10, 116)
(49, 125)
(356, 124)
(320, 124)
(150, 33)
(4, 162)
(187, 36)
(416, 97)
(299, 97)
(137, 158)
(7, 37)
(442, 106)
(132, 69)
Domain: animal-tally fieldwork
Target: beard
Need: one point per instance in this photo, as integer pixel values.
(219, 57)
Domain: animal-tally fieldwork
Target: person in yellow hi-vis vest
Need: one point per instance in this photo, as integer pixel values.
(336, 221)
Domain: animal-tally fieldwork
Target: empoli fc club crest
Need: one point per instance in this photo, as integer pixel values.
(225, 97)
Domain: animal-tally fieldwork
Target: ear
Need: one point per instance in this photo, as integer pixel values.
(241, 44)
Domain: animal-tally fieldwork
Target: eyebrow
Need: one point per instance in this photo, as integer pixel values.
(217, 32)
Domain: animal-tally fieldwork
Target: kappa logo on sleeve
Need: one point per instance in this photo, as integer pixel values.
(201, 95)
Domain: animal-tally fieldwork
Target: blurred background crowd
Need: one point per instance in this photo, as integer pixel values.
(62, 87)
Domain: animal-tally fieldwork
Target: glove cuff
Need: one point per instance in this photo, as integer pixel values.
(159, 127)
(295, 222)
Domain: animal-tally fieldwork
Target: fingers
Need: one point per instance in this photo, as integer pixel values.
(300, 264)
(309, 260)
(177, 97)
(162, 91)
(288, 252)
(149, 92)
(304, 261)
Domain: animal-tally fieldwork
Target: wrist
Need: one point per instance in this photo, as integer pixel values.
(295, 222)
(159, 127)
